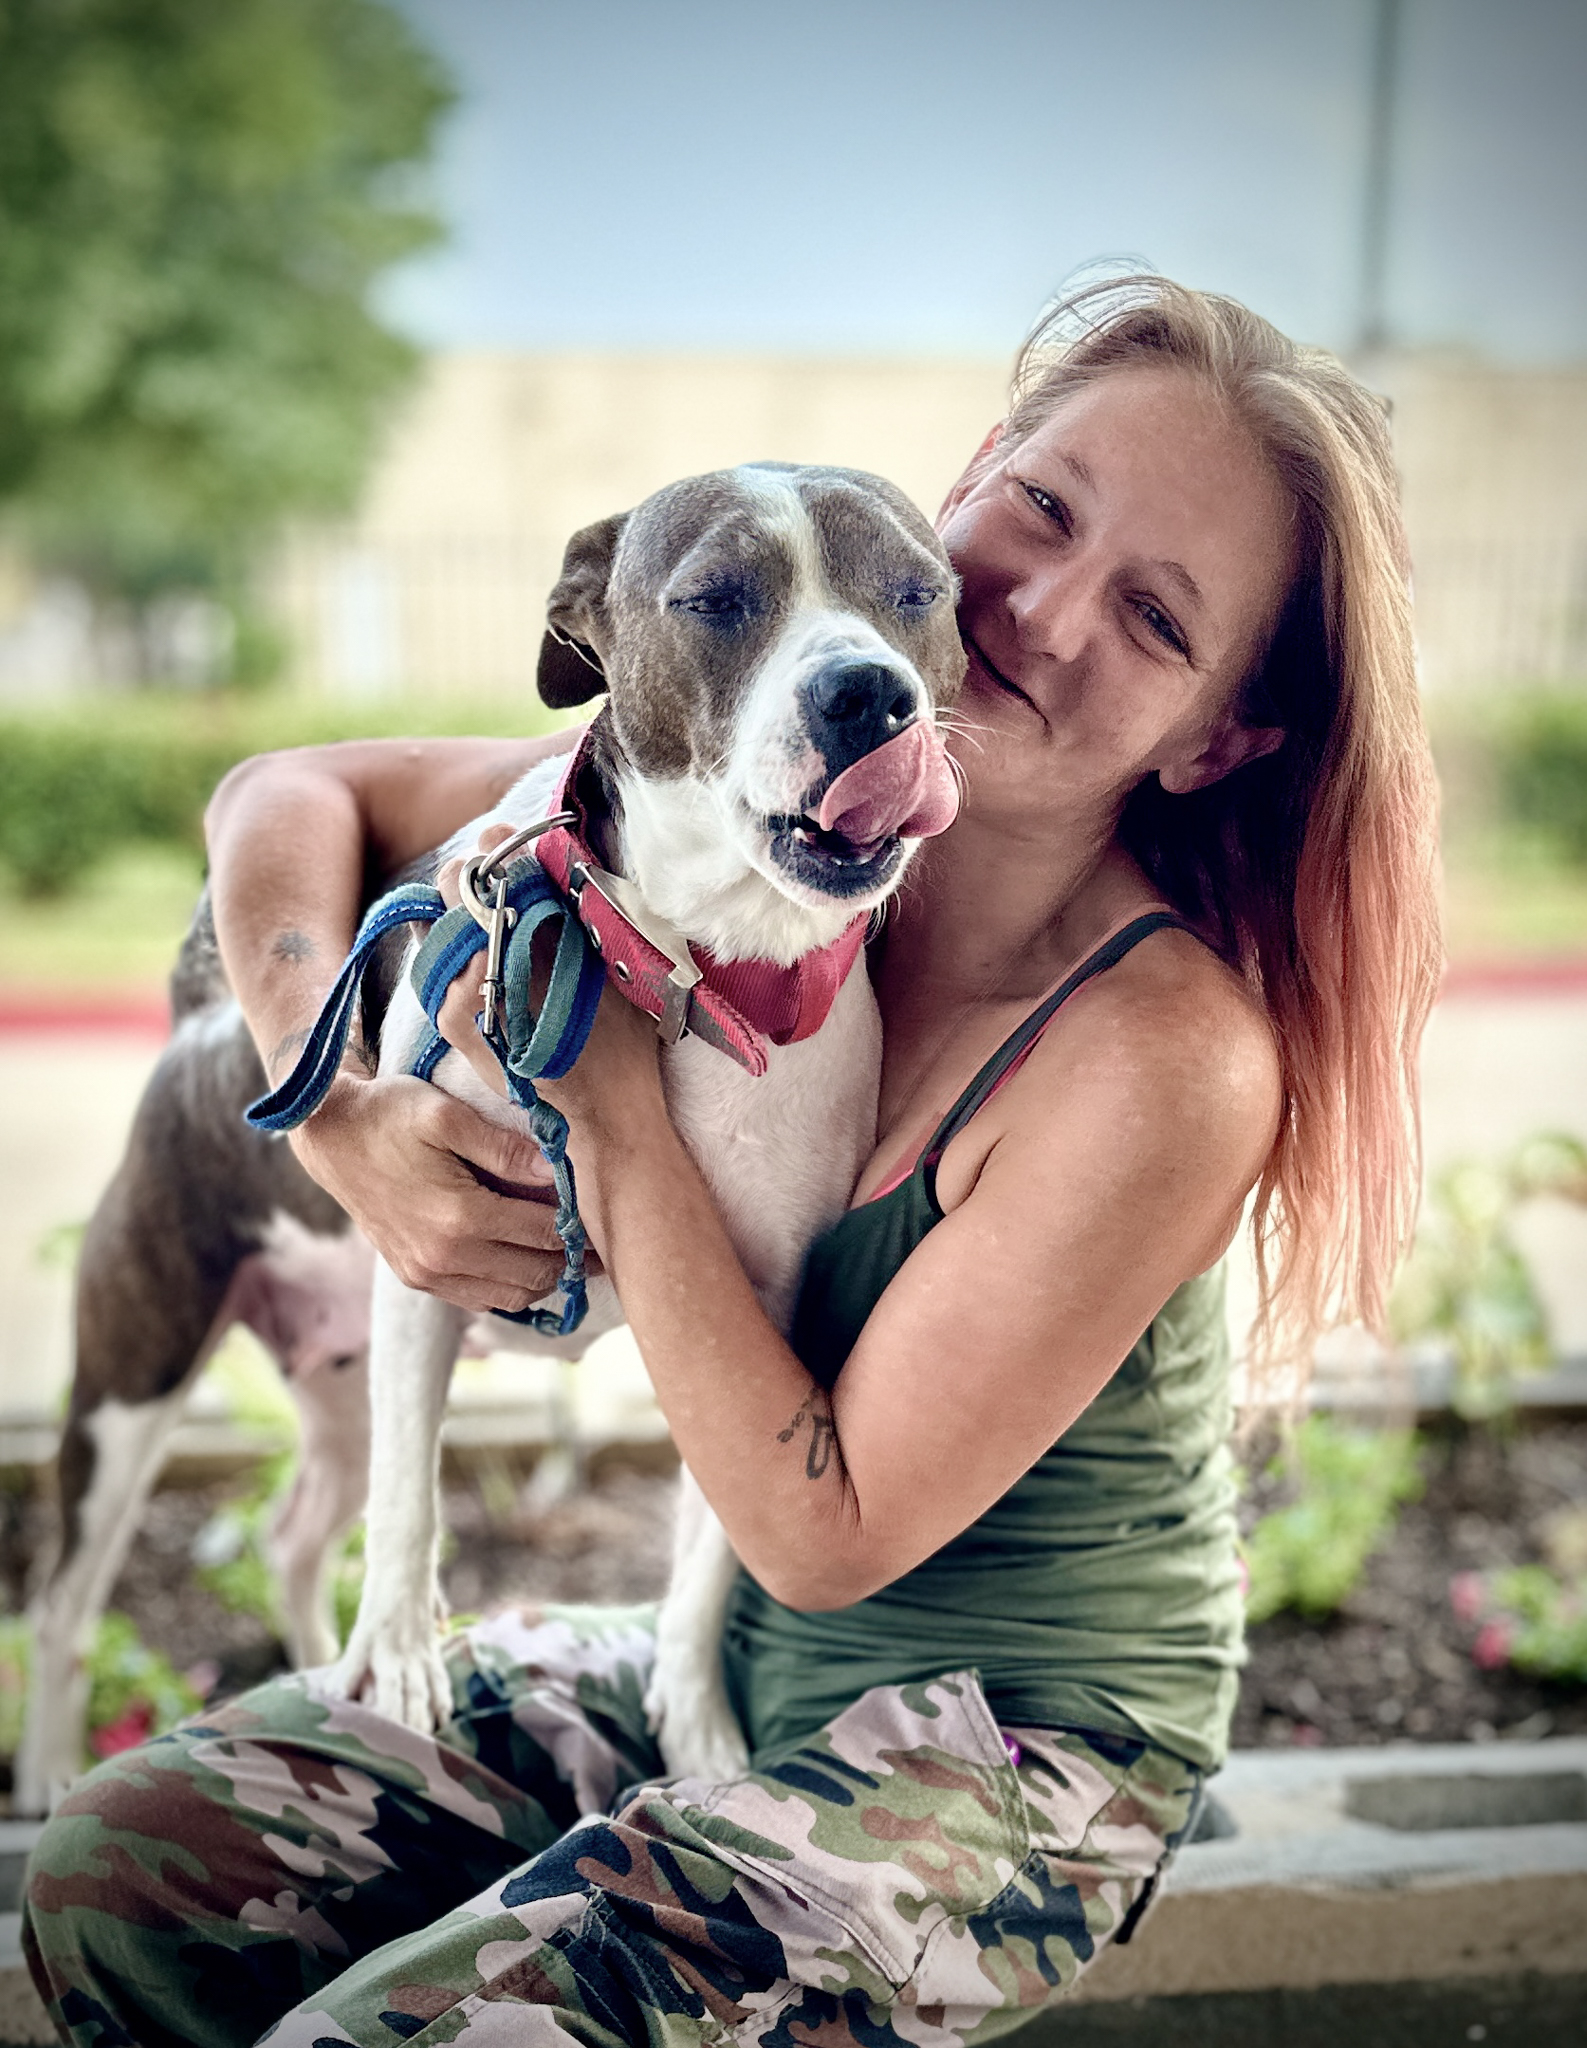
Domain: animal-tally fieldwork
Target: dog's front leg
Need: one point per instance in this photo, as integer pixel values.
(687, 1698)
(392, 1661)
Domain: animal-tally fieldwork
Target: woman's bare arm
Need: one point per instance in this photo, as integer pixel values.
(292, 837)
(1108, 1171)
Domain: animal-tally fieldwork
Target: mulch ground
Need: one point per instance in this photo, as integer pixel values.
(1394, 1664)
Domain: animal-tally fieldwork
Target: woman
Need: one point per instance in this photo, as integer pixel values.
(1180, 945)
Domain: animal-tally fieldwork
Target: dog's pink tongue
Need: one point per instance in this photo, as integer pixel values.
(905, 786)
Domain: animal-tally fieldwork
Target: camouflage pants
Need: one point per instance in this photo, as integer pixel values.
(911, 1874)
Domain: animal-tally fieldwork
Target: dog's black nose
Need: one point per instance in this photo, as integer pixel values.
(854, 707)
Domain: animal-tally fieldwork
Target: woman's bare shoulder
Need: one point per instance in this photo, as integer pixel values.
(1171, 1042)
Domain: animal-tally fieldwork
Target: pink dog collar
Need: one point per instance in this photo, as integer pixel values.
(739, 1006)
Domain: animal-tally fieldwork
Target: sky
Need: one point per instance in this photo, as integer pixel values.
(917, 176)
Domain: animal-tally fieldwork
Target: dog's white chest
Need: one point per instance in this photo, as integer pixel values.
(780, 1153)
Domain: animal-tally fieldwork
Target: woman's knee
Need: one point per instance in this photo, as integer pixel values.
(93, 1906)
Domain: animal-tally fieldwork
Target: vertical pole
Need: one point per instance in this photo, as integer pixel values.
(1378, 193)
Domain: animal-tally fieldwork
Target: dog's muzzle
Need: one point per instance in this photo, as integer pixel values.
(853, 838)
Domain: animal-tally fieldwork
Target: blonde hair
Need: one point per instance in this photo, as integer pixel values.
(1313, 869)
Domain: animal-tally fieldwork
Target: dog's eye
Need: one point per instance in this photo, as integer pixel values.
(916, 597)
(722, 601)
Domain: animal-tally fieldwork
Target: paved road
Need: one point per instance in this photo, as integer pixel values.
(1497, 1066)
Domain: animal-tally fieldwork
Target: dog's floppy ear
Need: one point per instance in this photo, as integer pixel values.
(573, 650)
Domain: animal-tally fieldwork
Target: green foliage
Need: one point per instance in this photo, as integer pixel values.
(78, 784)
(347, 1581)
(231, 1561)
(1542, 763)
(1348, 1485)
(133, 1691)
(194, 202)
(15, 1654)
(1545, 1614)
(124, 1674)
(229, 1551)
(60, 1247)
(1467, 1281)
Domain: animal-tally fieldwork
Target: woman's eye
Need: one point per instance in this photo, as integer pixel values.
(1050, 506)
(1159, 623)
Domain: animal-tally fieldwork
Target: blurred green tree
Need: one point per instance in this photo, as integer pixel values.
(194, 202)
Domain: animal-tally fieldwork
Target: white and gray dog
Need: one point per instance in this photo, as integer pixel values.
(776, 644)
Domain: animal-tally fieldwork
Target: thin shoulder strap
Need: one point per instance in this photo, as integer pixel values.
(1024, 1036)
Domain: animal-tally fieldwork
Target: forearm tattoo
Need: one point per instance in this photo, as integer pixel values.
(294, 947)
(815, 1411)
(285, 1049)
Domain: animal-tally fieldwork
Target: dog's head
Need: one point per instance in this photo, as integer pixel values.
(764, 633)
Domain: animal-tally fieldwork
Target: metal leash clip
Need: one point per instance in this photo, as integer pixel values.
(497, 918)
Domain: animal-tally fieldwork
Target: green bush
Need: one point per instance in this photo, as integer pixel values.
(78, 785)
(133, 1691)
(1348, 1486)
(1468, 1283)
(1544, 1616)
(230, 1553)
(1540, 761)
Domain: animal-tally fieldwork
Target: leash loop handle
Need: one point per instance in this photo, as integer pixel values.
(530, 1045)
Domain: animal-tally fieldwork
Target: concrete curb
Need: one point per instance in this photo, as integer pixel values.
(1311, 1892)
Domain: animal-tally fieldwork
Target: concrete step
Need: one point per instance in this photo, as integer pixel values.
(1367, 1867)
(22, 2021)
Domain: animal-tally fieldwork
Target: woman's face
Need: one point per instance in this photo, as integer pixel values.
(1121, 568)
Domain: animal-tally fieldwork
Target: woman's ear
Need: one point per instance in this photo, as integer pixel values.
(1230, 745)
(974, 470)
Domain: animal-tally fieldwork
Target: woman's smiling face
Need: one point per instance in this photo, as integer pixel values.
(1121, 569)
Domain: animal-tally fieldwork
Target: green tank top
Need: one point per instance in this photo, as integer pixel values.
(1102, 1591)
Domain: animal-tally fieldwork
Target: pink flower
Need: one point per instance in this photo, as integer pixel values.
(1304, 1736)
(1243, 1571)
(1468, 1596)
(1492, 1647)
(126, 1733)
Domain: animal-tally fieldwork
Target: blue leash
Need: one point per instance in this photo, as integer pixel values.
(530, 1045)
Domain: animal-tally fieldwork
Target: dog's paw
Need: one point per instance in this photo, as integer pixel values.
(404, 1680)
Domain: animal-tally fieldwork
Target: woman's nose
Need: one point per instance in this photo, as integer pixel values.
(1056, 610)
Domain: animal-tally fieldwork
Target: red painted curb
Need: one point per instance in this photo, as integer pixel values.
(149, 1016)
(111, 1016)
(1563, 977)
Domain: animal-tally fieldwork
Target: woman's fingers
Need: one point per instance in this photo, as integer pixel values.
(453, 1204)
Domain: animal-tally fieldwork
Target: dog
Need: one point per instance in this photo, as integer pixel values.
(775, 646)
(760, 634)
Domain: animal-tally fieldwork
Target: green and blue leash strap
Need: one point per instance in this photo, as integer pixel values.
(531, 1045)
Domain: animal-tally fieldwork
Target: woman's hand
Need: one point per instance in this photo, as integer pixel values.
(456, 1205)
(613, 1091)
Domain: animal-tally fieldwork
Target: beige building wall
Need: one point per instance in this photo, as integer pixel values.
(440, 583)
(1494, 466)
